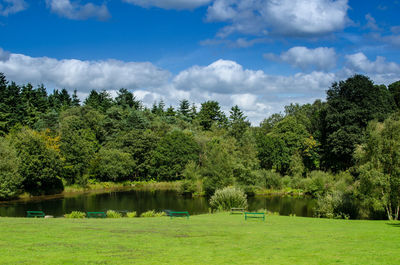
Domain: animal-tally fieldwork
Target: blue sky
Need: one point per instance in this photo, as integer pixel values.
(258, 54)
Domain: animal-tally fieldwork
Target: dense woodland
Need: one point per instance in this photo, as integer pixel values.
(345, 151)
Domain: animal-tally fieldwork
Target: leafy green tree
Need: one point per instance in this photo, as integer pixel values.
(140, 145)
(41, 165)
(379, 171)
(210, 113)
(112, 165)
(172, 154)
(10, 179)
(351, 105)
(394, 89)
(277, 147)
(269, 123)
(218, 164)
(78, 142)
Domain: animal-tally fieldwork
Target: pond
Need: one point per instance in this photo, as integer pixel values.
(141, 201)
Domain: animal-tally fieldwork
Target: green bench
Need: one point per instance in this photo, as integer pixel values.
(178, 214)
(237, 210)
(33, 214)
(254, 215)
(96, 215)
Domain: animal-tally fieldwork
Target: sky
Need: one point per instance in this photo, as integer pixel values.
(258, 54)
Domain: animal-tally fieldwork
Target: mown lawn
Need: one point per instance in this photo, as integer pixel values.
(203, 239)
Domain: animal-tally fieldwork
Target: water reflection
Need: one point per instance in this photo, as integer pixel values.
(141, 201)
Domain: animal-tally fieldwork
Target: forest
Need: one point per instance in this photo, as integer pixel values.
(344, 151)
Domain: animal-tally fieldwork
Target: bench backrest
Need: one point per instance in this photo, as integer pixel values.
(96, 215)
(35, 214)
(254, 215)
(178, 214)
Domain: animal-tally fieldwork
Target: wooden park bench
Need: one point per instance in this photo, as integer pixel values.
(33, 214)
(237, 210)
(96, 215)
(254, 215)
(178, 214)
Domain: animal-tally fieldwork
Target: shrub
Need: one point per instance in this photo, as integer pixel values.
(152, 213)
(131, 214)
(75, 214)
(113, 214)
(227, 198)
(317, 184)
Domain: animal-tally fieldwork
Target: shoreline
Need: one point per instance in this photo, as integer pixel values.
(98, 188)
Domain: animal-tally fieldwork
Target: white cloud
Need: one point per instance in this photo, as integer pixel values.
(8, 7)
(169, 4)
(321, 58)
(4, 55)
(82, 75)
(282, 17)
(76, 10)
(371, 22)
(360, 62)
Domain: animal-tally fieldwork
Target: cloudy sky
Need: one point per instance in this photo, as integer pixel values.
(258, 54)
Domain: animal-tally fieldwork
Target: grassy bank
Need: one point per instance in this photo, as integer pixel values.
(124, 185)
(203, 239)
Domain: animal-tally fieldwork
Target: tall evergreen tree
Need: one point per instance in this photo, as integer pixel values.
(237, 123)
(209, 114)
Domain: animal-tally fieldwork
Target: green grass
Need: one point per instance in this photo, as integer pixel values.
(204, 239)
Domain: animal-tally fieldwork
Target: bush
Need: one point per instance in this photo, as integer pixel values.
(75, 214)
(131, 214)
(268, 179)
(227, 198)
(113, 214)
(152, 213)
(317, 184)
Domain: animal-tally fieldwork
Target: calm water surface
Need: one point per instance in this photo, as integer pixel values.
(141, 201)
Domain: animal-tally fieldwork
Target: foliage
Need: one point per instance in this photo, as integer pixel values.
(113, 214)
(218, 164)
(41, 164)
(152, 213)
(112, 165)
(75, 214)
(172, 153)
(394, 89)
(131, 214)
(275, 149)
(210, 113)
(379, 170)
(237, 123)
(351, 105)
(10, 178)
(227, 198)
(269, 179)
(193, 182)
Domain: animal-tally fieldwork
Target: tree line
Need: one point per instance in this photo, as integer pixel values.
(342, 150)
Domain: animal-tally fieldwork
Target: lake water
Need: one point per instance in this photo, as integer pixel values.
(141, 201)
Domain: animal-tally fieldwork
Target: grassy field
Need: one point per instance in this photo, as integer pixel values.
(203, 239)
